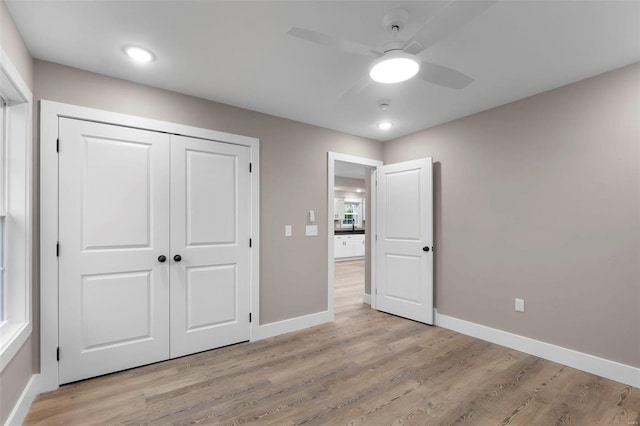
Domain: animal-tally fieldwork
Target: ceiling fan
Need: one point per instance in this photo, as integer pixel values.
(397, 60)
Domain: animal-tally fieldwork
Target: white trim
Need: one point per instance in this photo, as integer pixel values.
(49, 114)
(108, 117)
(366, 298)
(17, 327)
(19, 334)
(348, 259)
(21, 409)
(332, 157)
(48, 240)
(293, 324)
(254, 275)
(592, 364)
(18, 87)
(373, 224)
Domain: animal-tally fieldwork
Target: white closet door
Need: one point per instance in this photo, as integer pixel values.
(113, 226)
(210, 232)
(404, 231)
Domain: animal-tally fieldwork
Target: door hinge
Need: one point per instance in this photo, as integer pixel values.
(249, 316)
(250, 167)
(58, 353)
(250, 242)
(58, 145)
(57, 249)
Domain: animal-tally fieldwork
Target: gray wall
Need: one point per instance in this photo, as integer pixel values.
(540, 199)
(16, 374)
(13, 45)
(349, 182)
(293, 178)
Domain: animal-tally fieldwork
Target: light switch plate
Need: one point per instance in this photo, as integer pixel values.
(311, 230)
(519, 305)
(287, 231)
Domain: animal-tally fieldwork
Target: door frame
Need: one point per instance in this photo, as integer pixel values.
(49, 114)
(332, 157)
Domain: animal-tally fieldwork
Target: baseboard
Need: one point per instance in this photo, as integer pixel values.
(294, 324)
(20, 410)
(592, 364)
(366, 298)
(347, 259)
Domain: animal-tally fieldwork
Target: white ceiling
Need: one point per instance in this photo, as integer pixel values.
(238, 53)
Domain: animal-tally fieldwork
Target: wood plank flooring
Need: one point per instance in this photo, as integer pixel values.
(366, 368)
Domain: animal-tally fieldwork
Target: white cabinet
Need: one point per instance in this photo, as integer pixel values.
(348, 246)
(358, 245)
(338, 209)
(343, 246)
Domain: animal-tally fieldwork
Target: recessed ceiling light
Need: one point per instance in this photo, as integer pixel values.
(139, 54)
(394, 67)
(385, 125)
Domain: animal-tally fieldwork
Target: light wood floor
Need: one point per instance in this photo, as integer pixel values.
(365, 368)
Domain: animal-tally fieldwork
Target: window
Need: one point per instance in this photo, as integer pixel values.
(351, 214)
(2, 291)
(3, 191)
(15, 211)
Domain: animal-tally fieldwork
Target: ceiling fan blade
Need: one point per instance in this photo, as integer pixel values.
(443, 76)
(413, 48)
(361, 84)
(449, 19)
(346, 46)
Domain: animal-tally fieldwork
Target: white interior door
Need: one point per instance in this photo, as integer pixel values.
(404, 267)
(113, 226)
(210, 205)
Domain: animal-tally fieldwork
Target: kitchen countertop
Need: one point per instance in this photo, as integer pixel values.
(348, 231)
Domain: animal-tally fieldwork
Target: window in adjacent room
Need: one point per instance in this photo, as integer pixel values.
(351, 214)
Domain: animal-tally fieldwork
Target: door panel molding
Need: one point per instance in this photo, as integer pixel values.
(404, 228)
(50, 113)
(113, 298)
(209, 197)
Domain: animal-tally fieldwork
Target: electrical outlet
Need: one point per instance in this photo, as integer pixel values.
(520, 305)
(287, 230)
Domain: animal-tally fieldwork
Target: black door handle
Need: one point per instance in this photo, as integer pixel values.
(425, 248)
(177, 258)
(162, 258)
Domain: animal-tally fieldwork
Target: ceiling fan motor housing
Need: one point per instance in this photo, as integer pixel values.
(395, 18)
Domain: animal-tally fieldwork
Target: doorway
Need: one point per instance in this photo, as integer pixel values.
(349, 229)
(398, 261)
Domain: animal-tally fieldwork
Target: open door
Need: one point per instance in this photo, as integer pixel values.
(404, 231)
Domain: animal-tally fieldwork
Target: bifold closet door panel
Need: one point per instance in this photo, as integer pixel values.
(113, 228)
(210, 201)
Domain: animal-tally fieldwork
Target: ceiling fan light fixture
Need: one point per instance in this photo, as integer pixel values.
(394, 67)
